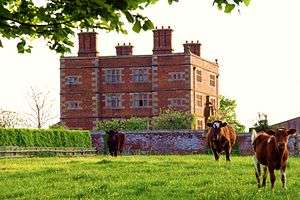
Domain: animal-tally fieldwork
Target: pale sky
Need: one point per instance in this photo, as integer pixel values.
(258, 52)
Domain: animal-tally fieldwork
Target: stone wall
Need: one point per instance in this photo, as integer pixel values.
(178, 142)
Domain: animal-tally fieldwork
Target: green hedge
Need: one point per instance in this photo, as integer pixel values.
(131, 124)
(44, 138)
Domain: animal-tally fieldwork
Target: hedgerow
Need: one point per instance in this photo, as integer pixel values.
(44, 138)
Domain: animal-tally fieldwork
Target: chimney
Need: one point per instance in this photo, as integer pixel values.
(162, 41)
(194, 48)
(87, 44)
(124, 50)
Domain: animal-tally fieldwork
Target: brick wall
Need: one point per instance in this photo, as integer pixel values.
(179, 142)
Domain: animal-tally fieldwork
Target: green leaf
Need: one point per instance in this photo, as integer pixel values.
(129, 16)
(21, 46)
(137, 26)
(229, 8)
(247, 2)
(1, 45)
(148, 25)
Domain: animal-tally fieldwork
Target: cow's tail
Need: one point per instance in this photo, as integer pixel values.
(253, 135)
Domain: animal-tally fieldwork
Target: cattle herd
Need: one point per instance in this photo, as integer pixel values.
(270, 148)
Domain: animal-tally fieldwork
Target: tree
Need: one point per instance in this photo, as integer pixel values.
(173, 120)
(40, 107)
(227, 113)
(262, 123)
(10, 119)
(57, 20)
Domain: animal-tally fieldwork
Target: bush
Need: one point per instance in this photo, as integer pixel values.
(132, 124)
(171, 120)
(44, 138)
(58, 125)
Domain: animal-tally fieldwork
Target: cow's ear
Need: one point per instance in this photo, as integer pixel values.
(291, 131)
(223, 124)
(209, 124)
(270, 132)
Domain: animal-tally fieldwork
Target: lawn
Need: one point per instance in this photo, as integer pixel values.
(139, 177)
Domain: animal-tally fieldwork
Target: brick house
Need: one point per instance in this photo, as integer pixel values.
(95, 87)
(291, 123)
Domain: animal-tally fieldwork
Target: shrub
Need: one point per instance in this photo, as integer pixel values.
(136, 124)
(131, 124)
(172, 120)
(44, 138)
(58, 125)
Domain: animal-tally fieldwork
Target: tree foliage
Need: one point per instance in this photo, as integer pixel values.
(131, 124)
(57, 20)
(173, 120)
(227, 113)
(262, 123)
(10, 119)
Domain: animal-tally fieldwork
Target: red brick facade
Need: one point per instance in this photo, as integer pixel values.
(97, 87)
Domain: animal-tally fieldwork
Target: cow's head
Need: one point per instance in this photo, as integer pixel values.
(281, 136)
(216, 128)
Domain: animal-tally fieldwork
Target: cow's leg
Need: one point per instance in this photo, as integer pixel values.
(283, 176)
(110, 149)
(272, 177)
(265, 174)
(216, 154)
(228, 151)
(115, 152)
(257, 171)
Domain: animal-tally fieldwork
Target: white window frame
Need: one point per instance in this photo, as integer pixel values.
(212, 81)
(113, 101)
(141, 100)
(177, 76)
(113, 76)
(73, 105)
(72, 80)
(177, 102)
(140, 75)
(199, 75)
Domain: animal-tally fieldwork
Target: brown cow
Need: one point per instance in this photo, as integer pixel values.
(115, 142)
(270, 148)
(221, 137)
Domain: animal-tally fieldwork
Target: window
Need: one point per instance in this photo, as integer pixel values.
(177, 102)
(213, 102)
(73, 105)
(72, 80)
(113, 76)
(198, 76)
(141, 100)
(200, 124)
(177, 76)
(140, 75)
(212, 81)
(113, 101)
(199, 100)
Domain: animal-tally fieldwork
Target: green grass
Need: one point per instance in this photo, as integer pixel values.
(139, 177)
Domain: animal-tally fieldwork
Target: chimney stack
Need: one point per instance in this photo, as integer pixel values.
(194, 48)
(162, 41)
(124, 50)
(87, 44)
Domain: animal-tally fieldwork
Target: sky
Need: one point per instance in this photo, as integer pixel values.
(257, 49)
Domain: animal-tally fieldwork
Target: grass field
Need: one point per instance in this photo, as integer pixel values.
(139, 177)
